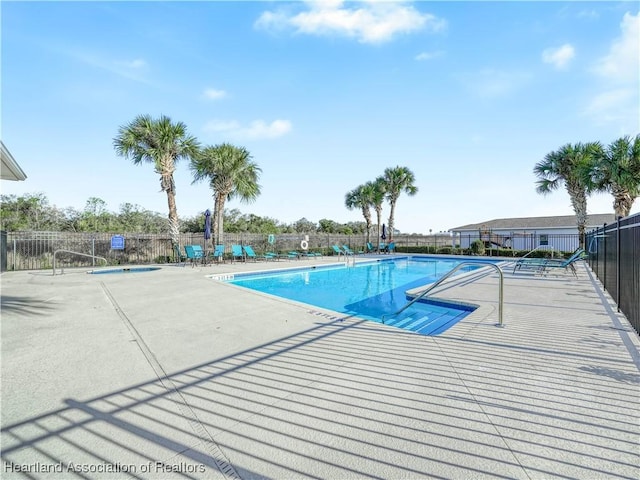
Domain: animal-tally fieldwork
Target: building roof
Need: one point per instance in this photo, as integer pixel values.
(10, 169)
(530, 223)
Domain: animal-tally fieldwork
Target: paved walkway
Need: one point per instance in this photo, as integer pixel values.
(170, 374)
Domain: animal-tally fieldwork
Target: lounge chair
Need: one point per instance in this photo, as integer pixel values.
(250, 253)
(237, 252)
(541, 264)
(347, 250)
(566, 265)
(370, 247)
(338, 250)
(391, 248)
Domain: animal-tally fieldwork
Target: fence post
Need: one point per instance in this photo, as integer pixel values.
(604, 255)
(93, 251)
(618, 263)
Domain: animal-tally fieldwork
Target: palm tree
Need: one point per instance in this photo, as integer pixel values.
(397, 180)
(231, 173)
(377, 199)
(570, 166)
(360, 197)
(161, 143)
(617, 171)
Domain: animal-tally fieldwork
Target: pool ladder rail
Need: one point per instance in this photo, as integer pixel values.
(424, 293)
(75, 253)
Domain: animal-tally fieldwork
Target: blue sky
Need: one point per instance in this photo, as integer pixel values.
(325, 96)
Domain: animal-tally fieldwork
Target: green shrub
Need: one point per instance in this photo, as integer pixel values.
(477, 247)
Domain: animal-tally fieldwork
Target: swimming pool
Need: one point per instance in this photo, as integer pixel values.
(368, 290)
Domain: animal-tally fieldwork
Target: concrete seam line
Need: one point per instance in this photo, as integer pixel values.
(218, 456)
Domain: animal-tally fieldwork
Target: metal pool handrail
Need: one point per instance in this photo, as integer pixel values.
(75, 253)
(447, 275)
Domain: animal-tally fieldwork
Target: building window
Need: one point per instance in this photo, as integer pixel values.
(544, 239)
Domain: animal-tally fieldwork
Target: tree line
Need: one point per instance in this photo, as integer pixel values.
(33, 212)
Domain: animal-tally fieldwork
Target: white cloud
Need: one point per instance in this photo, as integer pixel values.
(368, 22)
(214, 94)
(258, 129)
(428, 55)
(617, 99)
(622, 63)
(559, 57)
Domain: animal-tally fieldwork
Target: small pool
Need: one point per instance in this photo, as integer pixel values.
(368, 290)
(124, 270)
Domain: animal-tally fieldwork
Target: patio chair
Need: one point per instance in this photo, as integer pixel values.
(370, 247)
(391, 248)
(180, 257)
(194, 253)
(237, 252)
(218, 254)
(338, 250)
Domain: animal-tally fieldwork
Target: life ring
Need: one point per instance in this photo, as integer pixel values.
(304, 244)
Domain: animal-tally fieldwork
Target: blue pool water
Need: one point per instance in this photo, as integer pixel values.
(368, 290)
(124, 270)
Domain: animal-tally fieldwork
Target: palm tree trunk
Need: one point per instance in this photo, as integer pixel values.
(392, 212)
(221, 200)
(579, 203)
(215, 226)
(174, 223)
(622, 201)
(379, 215)
(366, 213)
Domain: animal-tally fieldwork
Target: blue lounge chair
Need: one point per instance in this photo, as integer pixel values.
(566, 265)
(237, 252)
(541, 264)
(370, 247)
(338, 250)
(250, 253)
(391, 248)
(347, 250)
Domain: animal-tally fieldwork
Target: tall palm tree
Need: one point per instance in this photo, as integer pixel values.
(377, 199)
(161, 143)
(231, 174)
(617, 171)
(397, 180)
(570, 165)
(361, 197)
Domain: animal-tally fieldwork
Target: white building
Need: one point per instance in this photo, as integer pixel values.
(528, 233)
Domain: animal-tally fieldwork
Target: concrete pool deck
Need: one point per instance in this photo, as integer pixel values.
(170, 374)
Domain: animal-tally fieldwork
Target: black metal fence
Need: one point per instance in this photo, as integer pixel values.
(614, 256)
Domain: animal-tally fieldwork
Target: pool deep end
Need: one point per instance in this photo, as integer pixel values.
(124, 270)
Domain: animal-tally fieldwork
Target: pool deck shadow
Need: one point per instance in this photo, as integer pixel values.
(170, 374)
